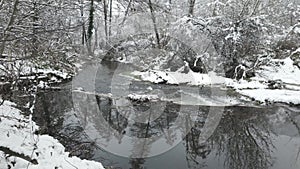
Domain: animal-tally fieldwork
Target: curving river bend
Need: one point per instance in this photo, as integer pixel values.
(187, 127)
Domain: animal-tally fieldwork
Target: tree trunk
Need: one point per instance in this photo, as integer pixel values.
(35, 19)
(126, 12)
(8, 27)
(154, 23)
(191, 7)
(110, 17)
(91, 21)
(83, 34)
(90, 28)
(1, 4)
(105, 19)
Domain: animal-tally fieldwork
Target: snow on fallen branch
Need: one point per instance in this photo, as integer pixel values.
(16, 154)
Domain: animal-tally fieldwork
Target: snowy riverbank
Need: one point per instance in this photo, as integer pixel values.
(21, 147)
(278, 81)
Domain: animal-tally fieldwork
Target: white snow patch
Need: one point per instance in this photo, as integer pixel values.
(257, 87)
(18, 135)
(190, 78)
(63, 75)
(269, 95)
(141, 97)
(297, 30)
(286, 72)
(149, 88)
(204, 100)
(42, 84)
(278, 69)
(244, 84)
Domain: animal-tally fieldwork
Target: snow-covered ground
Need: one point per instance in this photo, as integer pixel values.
(257, 88)
(190, 78)
(44, 152)
(282, 71)
(270, 95)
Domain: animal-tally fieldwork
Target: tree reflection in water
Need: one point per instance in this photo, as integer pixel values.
(52, 109)
(193, 149)
(153, 126)
(243, 138)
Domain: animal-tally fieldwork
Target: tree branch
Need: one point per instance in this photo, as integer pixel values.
(10, 22)
(16, 154)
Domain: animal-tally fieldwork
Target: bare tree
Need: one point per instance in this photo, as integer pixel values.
(191, 7)
(83, 34)
(127, 11)
(110, 17)
(8, 26)
(90, 27)
(154, 23)
(105, 12)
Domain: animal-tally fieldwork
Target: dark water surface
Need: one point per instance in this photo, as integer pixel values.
(87, 119)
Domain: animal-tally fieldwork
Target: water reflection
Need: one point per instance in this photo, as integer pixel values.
(53, 112)
(243, 138)
(246, 137)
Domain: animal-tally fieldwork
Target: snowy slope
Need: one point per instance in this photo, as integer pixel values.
(18, 136)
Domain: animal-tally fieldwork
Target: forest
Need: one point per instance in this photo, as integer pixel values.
(138, 83)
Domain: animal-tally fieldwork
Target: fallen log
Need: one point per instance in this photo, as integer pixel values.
(16, 154)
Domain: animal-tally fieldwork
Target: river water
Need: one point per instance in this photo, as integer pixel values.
(186, 127)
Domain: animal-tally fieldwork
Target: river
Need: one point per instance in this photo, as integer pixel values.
(187, 127)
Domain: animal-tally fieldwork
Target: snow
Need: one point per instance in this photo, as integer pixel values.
(188, 98)
(18, 134)
(42, 84)
(256, 88)
(27, 68)
(286, 72)
(61, 74)
(45, 71)
(269, 95)
(190, 78)
(142, 97)
(244, 84)
(297, 30)
(235, 36)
